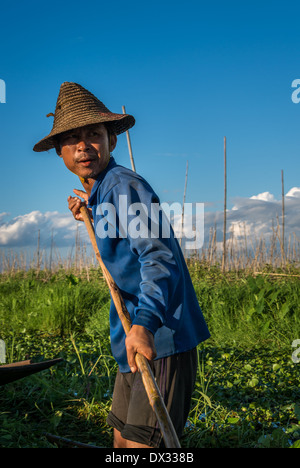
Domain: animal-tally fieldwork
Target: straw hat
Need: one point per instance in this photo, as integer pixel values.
(77, 107)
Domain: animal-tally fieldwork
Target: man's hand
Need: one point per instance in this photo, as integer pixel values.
(75, 204)
(139, 340)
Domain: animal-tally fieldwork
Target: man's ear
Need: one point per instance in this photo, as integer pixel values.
(57, 148)
(112, 141)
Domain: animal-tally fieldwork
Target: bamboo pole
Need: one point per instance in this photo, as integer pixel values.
(38, 253)
(61, 441)
(225, 207)
(129, 145)
(274, 274)
(184, 194)
(282, 221)
(51, 252)
(155, 398)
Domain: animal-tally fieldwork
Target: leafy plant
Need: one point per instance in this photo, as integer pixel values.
(247, 387)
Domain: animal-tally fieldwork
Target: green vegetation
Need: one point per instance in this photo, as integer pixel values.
(247, 392)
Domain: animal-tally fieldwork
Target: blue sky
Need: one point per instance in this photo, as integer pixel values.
(190, 72)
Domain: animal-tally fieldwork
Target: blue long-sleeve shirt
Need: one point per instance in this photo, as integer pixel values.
(149, 270)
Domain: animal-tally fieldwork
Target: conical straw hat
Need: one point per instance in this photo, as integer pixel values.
(77, 107)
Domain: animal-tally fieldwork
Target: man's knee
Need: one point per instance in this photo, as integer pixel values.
(120, 442)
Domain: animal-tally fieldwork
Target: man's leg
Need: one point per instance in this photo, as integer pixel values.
(134, 421)
(120, 442)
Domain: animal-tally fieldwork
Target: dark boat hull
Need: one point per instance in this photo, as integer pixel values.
(19, 370)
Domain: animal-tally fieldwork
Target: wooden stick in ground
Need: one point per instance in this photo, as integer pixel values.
(62, 442)
(184, 193)
(129, 144)
(225, 209)
(152, 390)
(283, 243)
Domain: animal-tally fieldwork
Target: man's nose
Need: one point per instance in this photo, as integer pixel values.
(83, 143)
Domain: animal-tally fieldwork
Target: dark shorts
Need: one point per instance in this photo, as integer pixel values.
(131, 413)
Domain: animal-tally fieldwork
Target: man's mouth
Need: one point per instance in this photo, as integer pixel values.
(85, 161)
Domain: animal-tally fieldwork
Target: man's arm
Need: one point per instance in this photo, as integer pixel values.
(139, 339)
(158, 270)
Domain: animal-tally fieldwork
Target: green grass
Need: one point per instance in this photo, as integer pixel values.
(58, 303)
(244, 310)
(70, 399)
(247, 389)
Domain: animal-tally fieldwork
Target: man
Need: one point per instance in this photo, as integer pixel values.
(149, 268)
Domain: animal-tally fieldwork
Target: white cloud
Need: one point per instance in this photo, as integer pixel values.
(265, 196)
(256, 216)
(22, 231)
(294, 192)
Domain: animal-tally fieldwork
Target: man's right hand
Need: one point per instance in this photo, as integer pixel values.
(139, 340)
(75, 204)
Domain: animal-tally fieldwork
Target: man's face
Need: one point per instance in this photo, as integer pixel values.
(86, 150)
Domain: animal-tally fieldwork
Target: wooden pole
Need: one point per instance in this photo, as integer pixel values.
(225, 207)
(184, 193)
(38, 253)
(61, 441)
(155, 398)
(282, 194)
(51, 252)
(129, 145)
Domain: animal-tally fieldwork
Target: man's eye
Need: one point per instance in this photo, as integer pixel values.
(71, 136)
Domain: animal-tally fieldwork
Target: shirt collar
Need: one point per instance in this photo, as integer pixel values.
(92, 199)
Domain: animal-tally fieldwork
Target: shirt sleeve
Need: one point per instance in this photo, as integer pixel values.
(151, 242)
